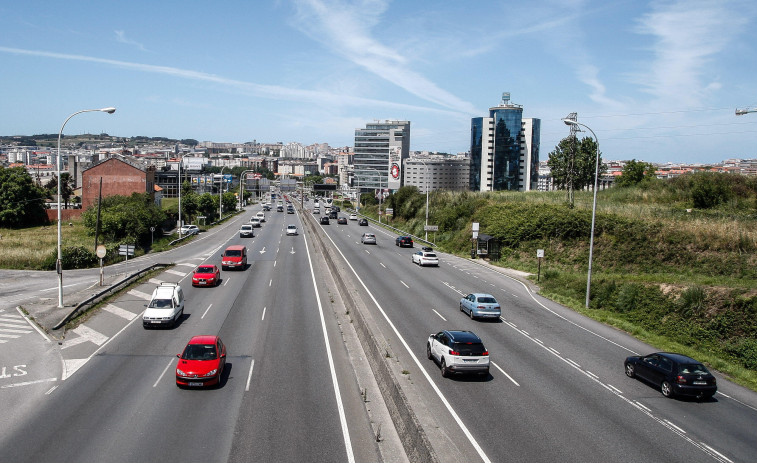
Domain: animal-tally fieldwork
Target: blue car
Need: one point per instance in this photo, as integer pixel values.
(479, 305)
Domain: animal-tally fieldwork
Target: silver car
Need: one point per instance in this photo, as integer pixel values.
(479, 305)
(368, 238)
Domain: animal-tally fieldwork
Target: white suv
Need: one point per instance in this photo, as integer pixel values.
(166, 306)
(458, 352)
(189, 230)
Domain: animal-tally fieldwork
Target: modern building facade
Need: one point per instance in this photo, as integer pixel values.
(504, 149)
(437, 173)
(379, 151)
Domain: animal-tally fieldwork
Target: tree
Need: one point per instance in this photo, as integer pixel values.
(125, 218)
(573, 163)
(634, 172)
(22, 201)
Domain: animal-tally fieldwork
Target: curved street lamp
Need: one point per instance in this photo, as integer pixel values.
(59, 263)
(593, 207)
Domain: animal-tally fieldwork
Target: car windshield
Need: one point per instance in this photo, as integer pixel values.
(233, 253)
(160, 303)
(205, 269)
(199, 352)
(470, 348)
(487, 300)
(693, 369)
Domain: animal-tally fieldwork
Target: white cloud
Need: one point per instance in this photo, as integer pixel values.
(687, 37)
(346, 30)
(121, 38)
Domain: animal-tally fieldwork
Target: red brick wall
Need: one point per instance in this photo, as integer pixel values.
(119, 178)
(65, 214)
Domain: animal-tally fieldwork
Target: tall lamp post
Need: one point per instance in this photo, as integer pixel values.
(593, 207)
(181, 161)
(59, 263)
(425, 167)
(220, 195)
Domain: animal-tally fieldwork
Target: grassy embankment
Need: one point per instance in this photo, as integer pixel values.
(680, 280)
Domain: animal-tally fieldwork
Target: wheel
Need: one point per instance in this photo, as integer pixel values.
(630, 371)
(428, 351)
(667, 389)
(445, 371)
(461, 307)
(471, 315)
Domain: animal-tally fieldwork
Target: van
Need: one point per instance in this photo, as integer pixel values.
(166, 306)
(234, 257)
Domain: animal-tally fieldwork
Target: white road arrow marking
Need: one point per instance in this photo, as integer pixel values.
(292, 251)
(262, 250)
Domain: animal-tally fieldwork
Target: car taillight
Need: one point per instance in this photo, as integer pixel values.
(453, 352)
(482, 307)
(486, 352)
(680, 379)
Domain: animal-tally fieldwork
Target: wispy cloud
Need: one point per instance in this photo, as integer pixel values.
(687, 35)
(121, 38)
(249, 88)
(346, 30)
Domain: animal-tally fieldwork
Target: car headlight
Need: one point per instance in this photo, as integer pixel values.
(211, 372)
(180, 373)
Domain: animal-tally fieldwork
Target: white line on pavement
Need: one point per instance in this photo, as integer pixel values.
(249, 376)
(206, 311)
(164, 372)
(440, 315)
(504, 373)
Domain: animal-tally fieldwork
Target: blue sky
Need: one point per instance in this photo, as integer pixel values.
(657, 81)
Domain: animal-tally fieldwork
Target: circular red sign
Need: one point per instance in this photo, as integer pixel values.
(395, 171)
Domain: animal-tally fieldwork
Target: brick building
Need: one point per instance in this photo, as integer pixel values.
(120, 176)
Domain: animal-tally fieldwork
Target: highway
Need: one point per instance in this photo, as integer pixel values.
(288, 392)
(557, 390)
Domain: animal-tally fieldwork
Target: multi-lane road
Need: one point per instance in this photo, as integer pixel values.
(556, 392)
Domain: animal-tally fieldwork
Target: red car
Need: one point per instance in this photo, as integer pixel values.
(202, 362)
(206, 275)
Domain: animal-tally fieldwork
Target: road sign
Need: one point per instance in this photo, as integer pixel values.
(101, 251)
(431, 228)
(540, 253)
(126, 250)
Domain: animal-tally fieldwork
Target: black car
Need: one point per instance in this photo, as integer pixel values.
(404, 241)
(675, 374)
(342, 220)
(324, 220)
(332, 214)
(363, 222)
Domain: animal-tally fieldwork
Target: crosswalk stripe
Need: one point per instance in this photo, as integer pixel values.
(187, 264)
(139, 294)
(12, 336)
(8, 330)
(155, 281)
(176, 272)
(14, 325)
(120, 312)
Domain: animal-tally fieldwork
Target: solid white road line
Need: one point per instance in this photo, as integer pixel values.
(28, 383)
(335, 382)
(406, 286)
(440, 315)
(263, 317)
(162, 374)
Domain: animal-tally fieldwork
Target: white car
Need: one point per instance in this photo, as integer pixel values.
(291, 230)
(261, 215)
(166, 306)
(458, 352)
(353, 216)
(255, 222)
(424, 258)
(189, 230)
(368, 238)
(245, 231)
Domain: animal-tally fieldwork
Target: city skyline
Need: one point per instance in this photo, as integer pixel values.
(656, 81)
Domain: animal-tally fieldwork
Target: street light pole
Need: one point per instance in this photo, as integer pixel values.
(181, 161)
(425, 175)
(220, 195)
(593, 207)
(58, 162)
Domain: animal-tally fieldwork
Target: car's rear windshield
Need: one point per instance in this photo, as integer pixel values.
(430, 254)
(200, 352)
(693, 369)
(487, 300)
(160, 303)
(473, 348)
(233, 253)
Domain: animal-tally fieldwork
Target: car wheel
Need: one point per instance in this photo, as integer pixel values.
(667, 389)
(630, 371)
(461, 307)
(445, 371)
(472, 317)
(428, 351)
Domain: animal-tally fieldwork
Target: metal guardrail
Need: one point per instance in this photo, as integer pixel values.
(95, 298)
